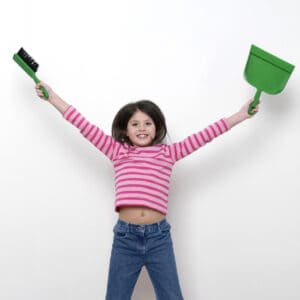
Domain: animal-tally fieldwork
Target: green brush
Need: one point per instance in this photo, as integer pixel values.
(27, 63)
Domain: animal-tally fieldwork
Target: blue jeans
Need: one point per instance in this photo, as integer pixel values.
(135, 246)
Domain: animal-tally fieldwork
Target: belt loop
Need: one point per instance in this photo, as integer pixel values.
(162, 224)
(159, 225)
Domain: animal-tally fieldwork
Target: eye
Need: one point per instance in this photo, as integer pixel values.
(134, 124)
(149, 123)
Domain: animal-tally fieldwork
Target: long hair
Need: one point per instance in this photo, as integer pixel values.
(120, 122)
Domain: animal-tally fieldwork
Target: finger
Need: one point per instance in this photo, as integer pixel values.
(38, 91)
(41, 83)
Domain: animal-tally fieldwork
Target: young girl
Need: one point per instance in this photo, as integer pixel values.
(143, 166)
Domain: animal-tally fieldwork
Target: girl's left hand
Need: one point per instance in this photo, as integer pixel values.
(242, 114)
(245, 107)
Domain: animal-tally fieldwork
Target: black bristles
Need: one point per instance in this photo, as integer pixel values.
(28, 60)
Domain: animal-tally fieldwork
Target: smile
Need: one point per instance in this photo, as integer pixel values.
(142, 136)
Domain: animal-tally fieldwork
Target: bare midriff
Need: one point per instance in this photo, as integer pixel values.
(140, 215)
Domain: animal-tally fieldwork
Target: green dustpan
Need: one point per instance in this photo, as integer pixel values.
(267, 73)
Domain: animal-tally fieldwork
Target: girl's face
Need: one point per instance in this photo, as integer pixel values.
(141, 129)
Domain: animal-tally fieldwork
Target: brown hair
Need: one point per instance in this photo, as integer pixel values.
(119, 125)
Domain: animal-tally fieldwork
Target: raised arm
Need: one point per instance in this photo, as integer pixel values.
(103, 142)
(195, 141)
(54, 99)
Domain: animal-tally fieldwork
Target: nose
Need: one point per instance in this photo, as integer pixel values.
(141, 127)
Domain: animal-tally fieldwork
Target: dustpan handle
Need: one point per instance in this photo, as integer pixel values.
(254, 103)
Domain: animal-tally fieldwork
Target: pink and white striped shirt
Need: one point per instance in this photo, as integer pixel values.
(142, 174)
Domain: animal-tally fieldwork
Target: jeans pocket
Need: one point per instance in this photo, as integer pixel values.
(120, 231)
(120, 234)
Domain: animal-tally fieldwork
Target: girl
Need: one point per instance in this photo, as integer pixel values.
(143, 166)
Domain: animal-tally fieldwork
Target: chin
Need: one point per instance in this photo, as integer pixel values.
(145, 144)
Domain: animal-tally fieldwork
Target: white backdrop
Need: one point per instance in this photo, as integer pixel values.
(234, 204)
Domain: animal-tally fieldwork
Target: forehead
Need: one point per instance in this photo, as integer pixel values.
(140, 116)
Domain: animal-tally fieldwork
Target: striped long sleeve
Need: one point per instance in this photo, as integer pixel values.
(195, 141)
(91, 132)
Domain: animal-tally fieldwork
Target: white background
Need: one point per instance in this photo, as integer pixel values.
(233, 205)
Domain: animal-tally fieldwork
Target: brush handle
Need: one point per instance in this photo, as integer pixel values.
(30, 72)
(45, 92)
(254, 103)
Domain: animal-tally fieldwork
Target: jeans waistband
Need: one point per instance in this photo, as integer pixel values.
(145, 228)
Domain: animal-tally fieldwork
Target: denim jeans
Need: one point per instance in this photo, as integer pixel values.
(135, 246)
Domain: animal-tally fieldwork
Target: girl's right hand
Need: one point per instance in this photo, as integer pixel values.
(40, 93)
